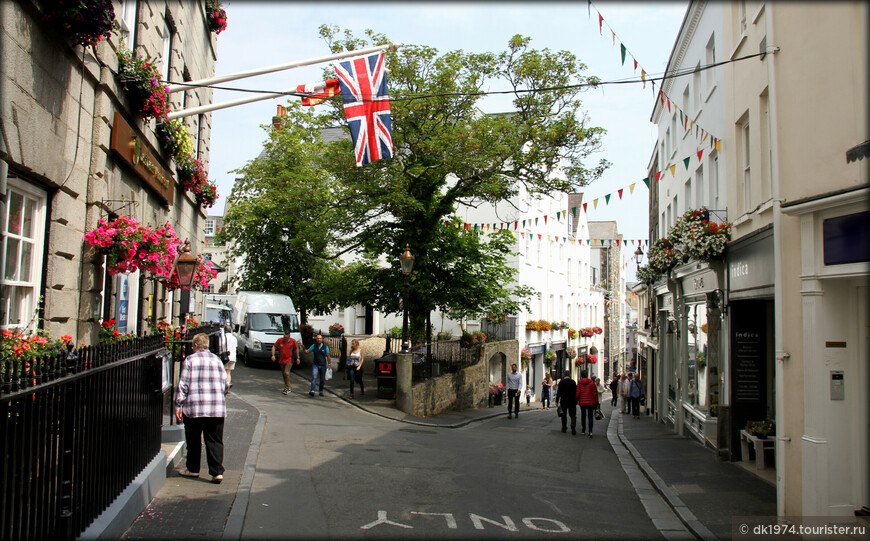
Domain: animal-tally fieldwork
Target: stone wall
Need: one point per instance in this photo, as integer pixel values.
(466, 389)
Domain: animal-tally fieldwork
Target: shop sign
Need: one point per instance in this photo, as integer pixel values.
(128, 145)
(582, 350)
(700, 283)
(751, 265)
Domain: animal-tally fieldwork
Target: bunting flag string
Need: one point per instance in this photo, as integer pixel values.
(664, 99)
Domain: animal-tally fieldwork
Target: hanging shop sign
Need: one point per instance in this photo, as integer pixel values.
(128, 145)
(750, 266)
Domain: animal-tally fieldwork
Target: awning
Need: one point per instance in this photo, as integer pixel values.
(859, 152)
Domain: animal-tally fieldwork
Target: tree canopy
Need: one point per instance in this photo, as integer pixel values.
(446, 152)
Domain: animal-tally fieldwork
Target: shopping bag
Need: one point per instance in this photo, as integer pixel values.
(559, 411)
(329, 373)
(598, 414)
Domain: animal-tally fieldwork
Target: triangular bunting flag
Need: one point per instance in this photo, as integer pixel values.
(646, 181)
(607, 199)
(643, 77)
(718, 145)
(600, 21)
(564, 214)
(635, 64)
(686, 162)
(523, 234)
(700, 153)
(617, 242)
(619, 191)
(584, 206)
(539, 236)
(515, 225)
(467, 226)
(673, 169)
(614, 36)
(631, 188)
(622, 50)
(557, 238)
(669, 105)
(658, 175)
(545, 219)
(574, 211)
(536, 221)
(595, 203)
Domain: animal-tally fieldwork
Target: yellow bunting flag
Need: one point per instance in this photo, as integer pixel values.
(673, 169)
(643, 77)
(631, 188)
(595, 203)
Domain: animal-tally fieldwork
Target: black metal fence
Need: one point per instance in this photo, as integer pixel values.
(444, 357)
(76, 427)
(506, 330)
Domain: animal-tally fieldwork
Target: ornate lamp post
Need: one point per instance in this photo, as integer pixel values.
(407, 262)
(185, 268)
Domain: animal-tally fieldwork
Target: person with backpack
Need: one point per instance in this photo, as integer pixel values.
(635, 390)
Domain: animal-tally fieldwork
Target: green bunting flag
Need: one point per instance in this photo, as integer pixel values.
(607, 199)
(622, 49)
(686, 162)
(646, 181)
(574, 211)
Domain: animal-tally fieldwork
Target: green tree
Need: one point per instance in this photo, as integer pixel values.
(277, 216)
(447, 153)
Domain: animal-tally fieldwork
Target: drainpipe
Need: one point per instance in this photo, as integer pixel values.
(780, 354)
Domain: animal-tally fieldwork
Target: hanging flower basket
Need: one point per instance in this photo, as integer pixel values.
(647, 275)
(216, 16)
(663, 256)
(703, 239)
(129, 246)
(336, 329)
(175, 139)
(550, 355)
(570, 353)
(191, 174)
(526, 355)
(597, 330)
(572, 333)
(84, 22)
(140, 79)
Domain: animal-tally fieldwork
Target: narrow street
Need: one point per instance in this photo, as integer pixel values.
(326, 468)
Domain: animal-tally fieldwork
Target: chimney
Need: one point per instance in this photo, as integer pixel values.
(278, 119)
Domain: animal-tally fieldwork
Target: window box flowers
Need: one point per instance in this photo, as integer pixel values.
(140, 78)
(550, 355)
(215, 16)
(586, 332)
(129, 246)
(703, 240)
(336, 329)
(572, 333)
(597, 330)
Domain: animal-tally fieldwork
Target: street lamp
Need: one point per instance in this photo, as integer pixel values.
(638, 255)
(407, 262)
(185, 268)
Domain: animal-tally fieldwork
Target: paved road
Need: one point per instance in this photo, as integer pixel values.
(321, 467)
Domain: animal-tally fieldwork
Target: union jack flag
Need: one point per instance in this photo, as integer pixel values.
(363, 82)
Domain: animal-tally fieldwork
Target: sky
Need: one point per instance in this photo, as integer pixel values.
(272, 33)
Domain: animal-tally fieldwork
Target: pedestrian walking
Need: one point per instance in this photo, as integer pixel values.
(528, 395)
(635, 390)
(288, 349)
(231, 344)
(319, 363)
(514, 384)
(566, 398)
(623, 393)
(614, 390)
(587, 399)
(546, 388)
(201, 405)
(355, 360)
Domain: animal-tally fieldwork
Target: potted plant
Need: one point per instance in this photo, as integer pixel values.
(129, 246)
(550, 355)
(544, 325)
(496, 391)
(700, 360)
(336, 329)
(760, 429)
(572, 333)
(597, 330)
(475, 339)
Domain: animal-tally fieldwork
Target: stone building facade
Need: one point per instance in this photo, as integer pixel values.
(63, 108)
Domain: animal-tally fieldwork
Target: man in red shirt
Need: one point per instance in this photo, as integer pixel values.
(288, 349)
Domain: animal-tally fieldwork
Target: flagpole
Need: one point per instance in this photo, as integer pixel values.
(279, 67)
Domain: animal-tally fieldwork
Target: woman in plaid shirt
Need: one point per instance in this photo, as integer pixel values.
(201, 405)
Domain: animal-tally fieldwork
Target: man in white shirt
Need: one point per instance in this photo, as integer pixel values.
(514, 384)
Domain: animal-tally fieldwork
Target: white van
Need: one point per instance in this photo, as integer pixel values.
(219, 313)
(262, 319)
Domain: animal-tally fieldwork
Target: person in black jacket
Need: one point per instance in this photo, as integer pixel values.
(614, 390)
(566, 398)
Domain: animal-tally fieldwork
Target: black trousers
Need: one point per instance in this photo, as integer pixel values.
(635, 405)
(587, 413)
(514, 401)
(211, 429)
(569, 410)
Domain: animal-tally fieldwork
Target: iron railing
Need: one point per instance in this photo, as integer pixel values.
(444, 357)
(76, 427)
(501, 331)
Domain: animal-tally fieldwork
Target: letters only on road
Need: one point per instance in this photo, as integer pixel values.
(538, 524)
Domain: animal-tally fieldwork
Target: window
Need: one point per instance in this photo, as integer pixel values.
(673, 135)
(696, 86)
(710, 60)
(24, 234)
(166, 57)
(677, 211)
(687, 106)
(199, 123)
(688, 192)
(570, 273)
(668, 222)
(741, 15)
(594, 282)
(745, 149)
(713, 161)
(538, 253)
(766, 181)
(667, 145)
(664, 226)
(127, 22)
(209, 227)
(699, 187)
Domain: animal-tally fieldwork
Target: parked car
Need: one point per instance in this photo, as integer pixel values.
(262, 318)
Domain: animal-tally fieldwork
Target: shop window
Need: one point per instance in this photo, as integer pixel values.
(845, 239)
(24, 236)
(696, 393)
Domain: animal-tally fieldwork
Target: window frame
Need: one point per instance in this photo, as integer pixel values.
(35, 283)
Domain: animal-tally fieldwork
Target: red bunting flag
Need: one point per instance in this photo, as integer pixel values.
(669, 105)
(515, 225)
(466, 227)
(700, 153)
(539, 236)
(635, 64)
(620, 192)
(658, 176)
(545, 219)
(584, 206)
(600, 21)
